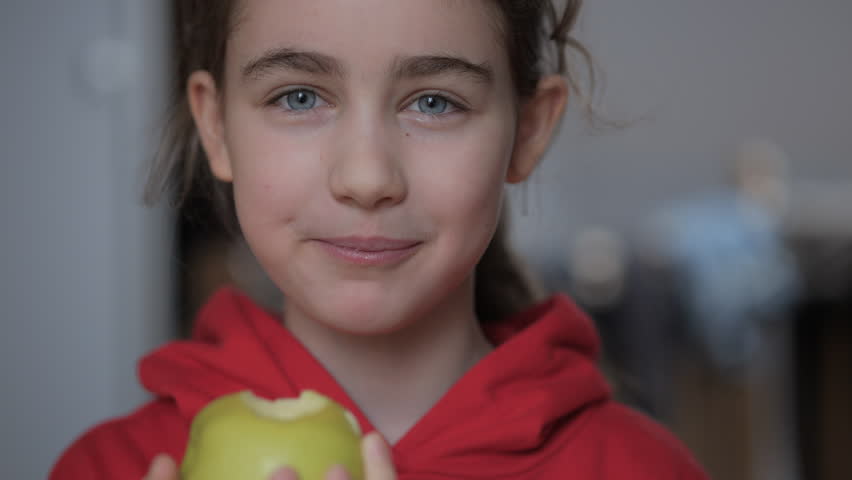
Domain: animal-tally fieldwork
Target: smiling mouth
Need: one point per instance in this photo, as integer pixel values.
(369, 251)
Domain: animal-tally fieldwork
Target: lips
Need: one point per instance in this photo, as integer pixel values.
(371, 244)
(369, 251)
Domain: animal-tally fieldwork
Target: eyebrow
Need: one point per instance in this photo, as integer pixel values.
(432, 65)
(405, 67)
(291, 59)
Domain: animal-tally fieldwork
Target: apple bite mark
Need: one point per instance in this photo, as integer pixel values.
(308, 403)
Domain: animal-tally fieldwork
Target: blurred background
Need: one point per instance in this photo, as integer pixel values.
(711, 240)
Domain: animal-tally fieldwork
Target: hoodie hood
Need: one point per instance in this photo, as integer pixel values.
(507, 414)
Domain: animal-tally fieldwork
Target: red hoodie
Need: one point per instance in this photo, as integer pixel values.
(537, 407)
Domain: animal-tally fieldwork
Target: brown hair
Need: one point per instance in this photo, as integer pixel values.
(532, 29)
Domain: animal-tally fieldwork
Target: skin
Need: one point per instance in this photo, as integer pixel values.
(370, 158)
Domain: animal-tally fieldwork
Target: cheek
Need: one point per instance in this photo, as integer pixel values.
(273, 173)
(465, 176)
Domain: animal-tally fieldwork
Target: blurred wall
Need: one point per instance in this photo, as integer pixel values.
(699, 77)
(85, 280)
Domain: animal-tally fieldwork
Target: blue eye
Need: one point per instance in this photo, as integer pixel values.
(300, 99)
(433, 104)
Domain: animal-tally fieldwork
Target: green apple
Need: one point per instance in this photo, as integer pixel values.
(244, 437)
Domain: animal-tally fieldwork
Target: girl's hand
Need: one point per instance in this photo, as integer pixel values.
(162, 468)
(377, 464)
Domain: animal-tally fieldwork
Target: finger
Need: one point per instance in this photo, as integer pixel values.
(285, 474)
(162, 468)
(378, 463)
(337, 473)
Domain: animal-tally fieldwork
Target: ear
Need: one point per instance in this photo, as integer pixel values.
(538, 118)
(204, 103)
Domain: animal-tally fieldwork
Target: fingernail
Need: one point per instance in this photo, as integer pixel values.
(284, 474)
(160, 466)
(376, 447)
(337, 473)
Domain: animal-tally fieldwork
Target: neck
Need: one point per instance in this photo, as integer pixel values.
(396, 378)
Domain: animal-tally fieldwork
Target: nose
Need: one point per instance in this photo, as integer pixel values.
(366, 172)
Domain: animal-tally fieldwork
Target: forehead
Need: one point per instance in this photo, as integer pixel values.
(364, 34)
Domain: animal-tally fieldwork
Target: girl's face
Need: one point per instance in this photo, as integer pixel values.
(368, 144)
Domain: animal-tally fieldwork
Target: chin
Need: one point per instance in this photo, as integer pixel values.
(378, 321)
(366, 314)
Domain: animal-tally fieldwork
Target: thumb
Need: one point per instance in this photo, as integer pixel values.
(378, 462)
(162, 468)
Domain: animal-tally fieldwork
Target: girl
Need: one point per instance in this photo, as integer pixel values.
(364, 147)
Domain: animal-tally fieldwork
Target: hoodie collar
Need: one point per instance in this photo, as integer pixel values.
(496, 420)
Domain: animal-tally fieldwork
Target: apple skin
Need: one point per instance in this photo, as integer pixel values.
(231, 440)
